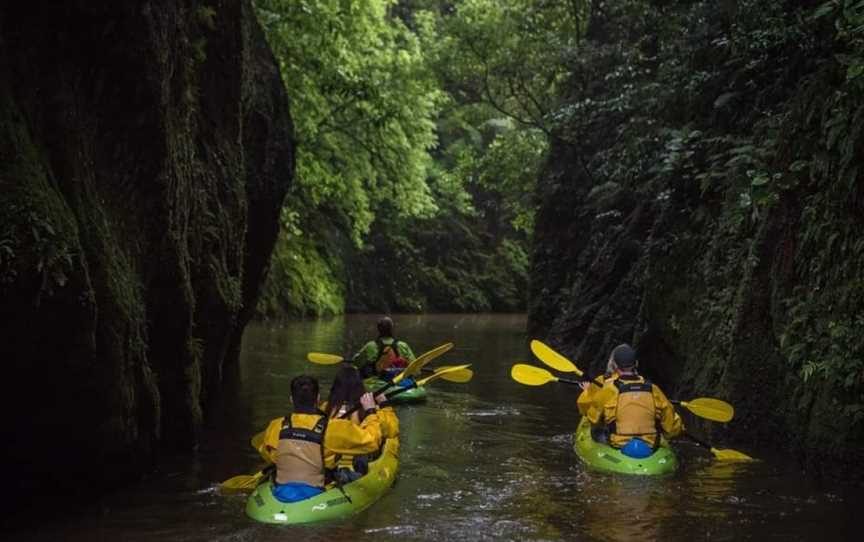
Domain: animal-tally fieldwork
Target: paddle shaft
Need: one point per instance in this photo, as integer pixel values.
(698, 441)
(577, 382)
(375, 393)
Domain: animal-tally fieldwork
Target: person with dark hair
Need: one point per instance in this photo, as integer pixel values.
(345, 392)
(305, 444)
(628, 411)
(384, 357)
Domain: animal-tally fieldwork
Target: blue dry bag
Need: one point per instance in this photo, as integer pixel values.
(637, 449)
(295, 491)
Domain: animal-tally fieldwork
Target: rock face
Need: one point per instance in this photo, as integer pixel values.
(706, 204)
(145, 151)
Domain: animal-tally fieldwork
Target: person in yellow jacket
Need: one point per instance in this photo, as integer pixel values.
(345, 393)
(628, 410)
(304, 445)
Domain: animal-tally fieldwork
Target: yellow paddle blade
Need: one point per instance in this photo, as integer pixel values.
(324, 359)
(243, 483)
(424, 358)
(257, 440)
(531, 375)
(710, 409)
(731, 455)
(553, 359)
(461, 376)
(440, 373)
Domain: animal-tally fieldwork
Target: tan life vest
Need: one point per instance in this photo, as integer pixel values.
(635, 411)
(300, 454)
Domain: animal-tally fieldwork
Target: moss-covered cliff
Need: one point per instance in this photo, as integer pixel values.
(145, 150)
(705, 201)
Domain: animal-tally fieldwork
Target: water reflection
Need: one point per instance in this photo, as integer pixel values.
(486, 460)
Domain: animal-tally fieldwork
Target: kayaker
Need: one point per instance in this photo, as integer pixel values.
(628, 411)
(384, 357)
(304, 445)
(345, 392)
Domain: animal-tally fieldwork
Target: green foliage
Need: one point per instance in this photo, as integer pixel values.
(733, 124)
(363, 106)
(36, 231)
(304, 281)
(396, 171)
(364, 100)
(509, 54)
(821, 331)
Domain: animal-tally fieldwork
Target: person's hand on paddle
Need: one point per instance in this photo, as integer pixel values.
(367, 401)
(585, 385)
(380, 398)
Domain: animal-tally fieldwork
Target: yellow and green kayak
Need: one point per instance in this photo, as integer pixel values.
(413, 395)
(606, 458)
(332, 504)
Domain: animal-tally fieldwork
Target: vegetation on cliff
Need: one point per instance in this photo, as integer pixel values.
(145, 150)
(706, 163)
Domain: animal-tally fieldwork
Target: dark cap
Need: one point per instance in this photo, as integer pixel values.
(624, 356)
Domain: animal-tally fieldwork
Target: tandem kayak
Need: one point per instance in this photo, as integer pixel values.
(332, 504)
(414, 395)
(606, 458)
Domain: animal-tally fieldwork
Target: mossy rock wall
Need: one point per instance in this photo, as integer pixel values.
(145, 151)
(706, 204)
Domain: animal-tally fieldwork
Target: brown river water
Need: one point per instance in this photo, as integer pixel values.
(487, 460)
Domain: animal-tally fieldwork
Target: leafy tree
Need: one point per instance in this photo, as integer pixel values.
(363, 106)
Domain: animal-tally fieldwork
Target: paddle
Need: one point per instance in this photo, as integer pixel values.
(416, 384)
(461, 376)
(553, 359)
(708, 408)
(245, 483)
(324, 359)
(413, 368)
(242, 483)
(721, 454)
(536, 376)
(465, 375)
(704, 407)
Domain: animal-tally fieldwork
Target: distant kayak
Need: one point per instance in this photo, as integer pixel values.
(334, 503)
(606, 458)
(415, 395)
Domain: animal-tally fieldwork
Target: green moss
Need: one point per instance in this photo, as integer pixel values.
(302, 281)
(37, 231)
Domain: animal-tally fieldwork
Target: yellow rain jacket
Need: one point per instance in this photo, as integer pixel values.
(389, 429)
(297, 461)
(631, 407)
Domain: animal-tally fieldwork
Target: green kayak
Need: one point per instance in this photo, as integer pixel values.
(606, 458)
(414, 395)
(333, 503)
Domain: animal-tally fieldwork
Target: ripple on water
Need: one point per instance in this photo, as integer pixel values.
(502, 411)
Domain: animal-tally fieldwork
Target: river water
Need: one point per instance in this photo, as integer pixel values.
(486, 460)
